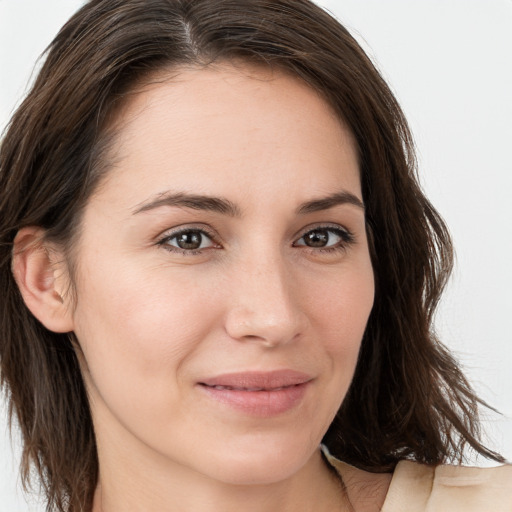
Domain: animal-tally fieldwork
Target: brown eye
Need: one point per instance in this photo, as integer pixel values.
(316, 238)
(328, 238)
(188, 240)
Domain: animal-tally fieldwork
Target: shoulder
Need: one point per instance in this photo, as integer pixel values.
(415, 487)
(418, 488)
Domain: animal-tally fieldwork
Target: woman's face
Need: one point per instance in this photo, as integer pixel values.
(223, 277)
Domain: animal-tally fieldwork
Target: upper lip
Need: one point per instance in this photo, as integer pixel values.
(258, 380)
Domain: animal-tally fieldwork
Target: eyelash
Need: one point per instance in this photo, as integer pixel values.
(347, 239)
(164, 242)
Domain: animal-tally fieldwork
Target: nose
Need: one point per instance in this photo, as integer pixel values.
(264, 305)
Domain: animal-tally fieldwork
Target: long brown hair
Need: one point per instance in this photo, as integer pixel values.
(408, 398)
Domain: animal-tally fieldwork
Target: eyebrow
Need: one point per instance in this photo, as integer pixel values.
(324, 203)
(193, 201)
(227, 207)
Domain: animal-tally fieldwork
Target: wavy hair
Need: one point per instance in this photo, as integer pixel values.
(408, 398)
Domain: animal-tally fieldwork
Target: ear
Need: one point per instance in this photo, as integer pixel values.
(42, 277)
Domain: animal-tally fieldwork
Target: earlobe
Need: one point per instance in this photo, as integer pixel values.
(41, 278)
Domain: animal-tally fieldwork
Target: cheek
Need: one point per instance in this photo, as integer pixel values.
(133, 325)
(342, 306)
(136, 343)
(341, 315)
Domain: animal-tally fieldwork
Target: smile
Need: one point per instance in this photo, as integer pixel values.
(231, 388)
(261, 394)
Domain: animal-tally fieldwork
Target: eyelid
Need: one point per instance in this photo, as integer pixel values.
(174, 232)
(346, 235)
(327, 227)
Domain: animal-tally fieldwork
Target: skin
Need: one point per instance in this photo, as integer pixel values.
(154, 320)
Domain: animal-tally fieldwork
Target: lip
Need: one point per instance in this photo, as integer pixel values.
(257, 393)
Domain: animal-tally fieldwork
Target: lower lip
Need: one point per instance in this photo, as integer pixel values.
(260, 403)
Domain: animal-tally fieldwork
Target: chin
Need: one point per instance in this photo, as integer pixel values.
(262, 463)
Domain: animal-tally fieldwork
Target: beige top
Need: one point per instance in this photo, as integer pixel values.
(416, 487)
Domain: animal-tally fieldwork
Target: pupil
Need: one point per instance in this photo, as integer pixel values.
(189, 240)
(317, 238)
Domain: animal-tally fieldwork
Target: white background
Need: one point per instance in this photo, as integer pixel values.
(449, 63)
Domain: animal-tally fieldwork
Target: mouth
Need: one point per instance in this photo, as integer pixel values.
(258, 380)
(262, 394)
(233, 388)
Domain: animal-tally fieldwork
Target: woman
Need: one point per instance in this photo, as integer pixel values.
(217, 257)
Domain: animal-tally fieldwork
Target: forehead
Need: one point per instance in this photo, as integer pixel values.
(211, 128)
